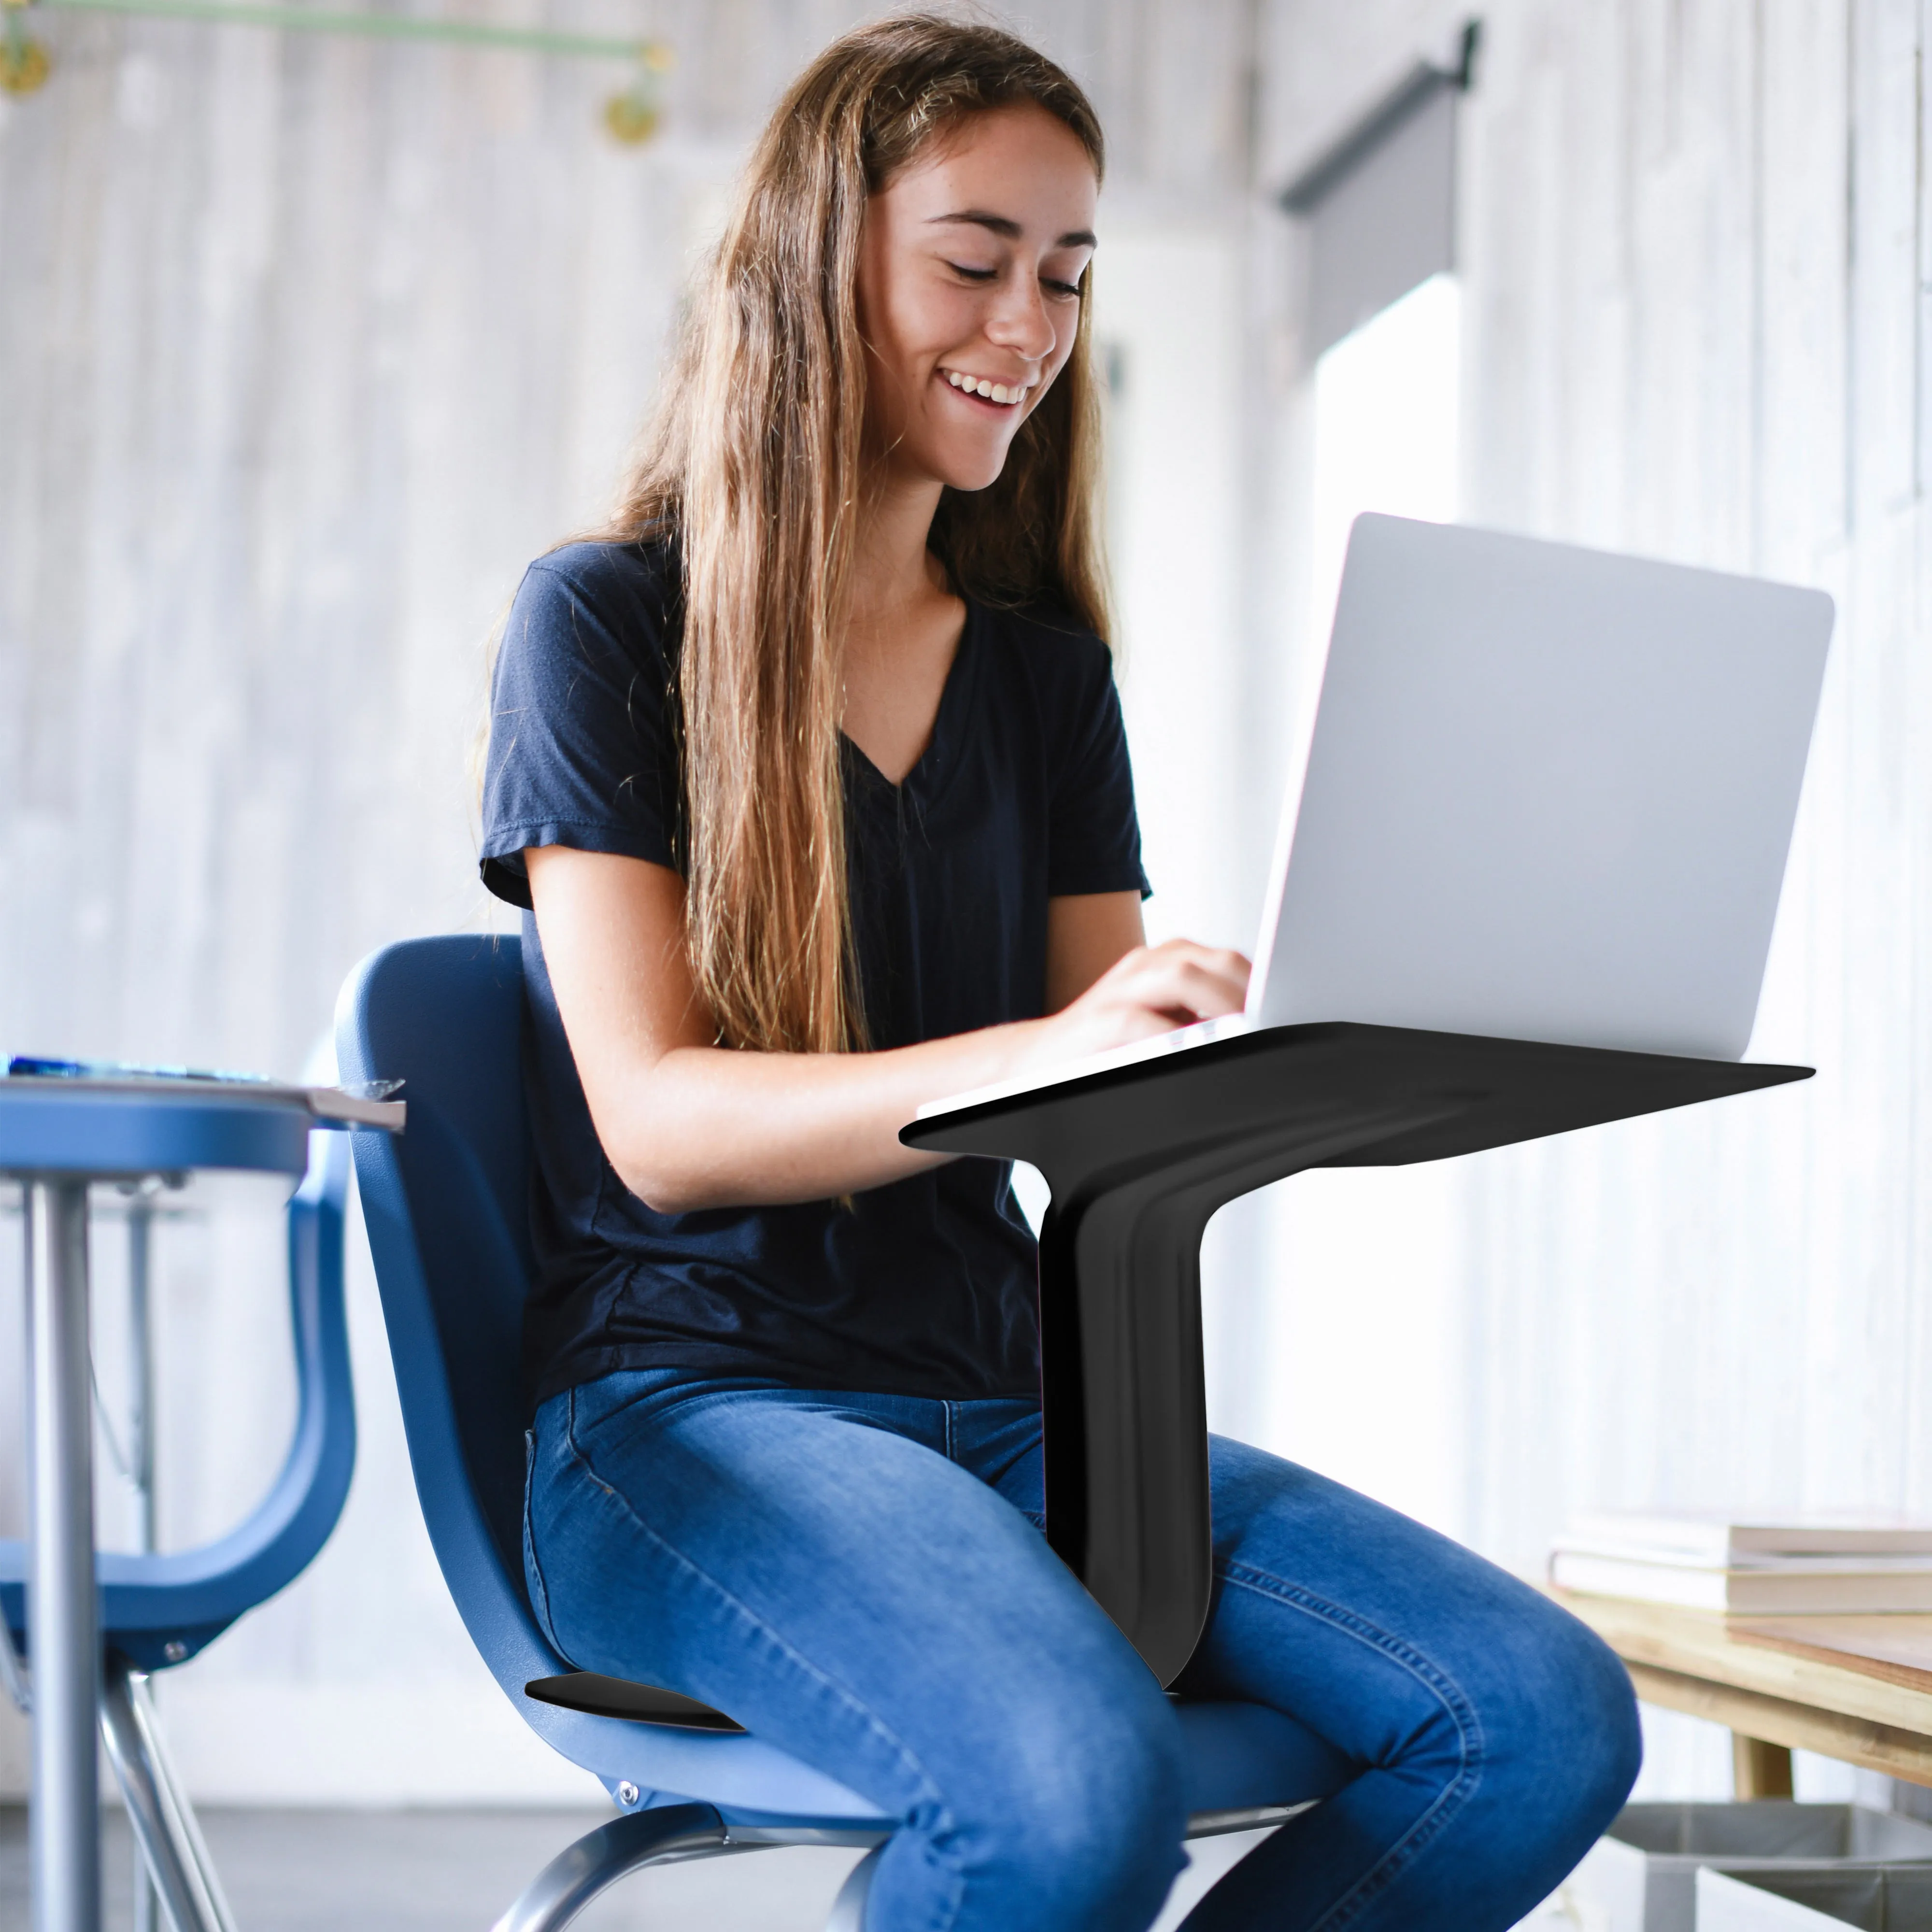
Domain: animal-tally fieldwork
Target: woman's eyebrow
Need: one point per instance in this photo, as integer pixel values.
(1004, 225)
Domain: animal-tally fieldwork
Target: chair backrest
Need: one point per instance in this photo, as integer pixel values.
(446, 1206)
(160, 1608)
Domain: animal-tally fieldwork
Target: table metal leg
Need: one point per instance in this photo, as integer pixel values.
(141, 1439)
(141, 1354)
(63, 1637)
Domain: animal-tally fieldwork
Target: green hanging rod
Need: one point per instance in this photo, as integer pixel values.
(632, 116)
(382, 26)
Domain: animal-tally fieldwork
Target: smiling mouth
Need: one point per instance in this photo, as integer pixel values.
(983, 388)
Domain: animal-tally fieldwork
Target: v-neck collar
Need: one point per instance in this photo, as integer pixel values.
(926, 771)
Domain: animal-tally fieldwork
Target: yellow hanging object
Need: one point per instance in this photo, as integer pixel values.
(24, 64)
(633, 116)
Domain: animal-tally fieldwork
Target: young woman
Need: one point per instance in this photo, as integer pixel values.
(813, 777)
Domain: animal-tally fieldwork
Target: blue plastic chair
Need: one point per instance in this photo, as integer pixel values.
(159, 1609)
(446, 1204)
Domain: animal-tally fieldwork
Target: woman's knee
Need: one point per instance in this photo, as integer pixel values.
(1077, 1818)
(1576, 1738)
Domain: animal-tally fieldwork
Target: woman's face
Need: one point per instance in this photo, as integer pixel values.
(968, 283)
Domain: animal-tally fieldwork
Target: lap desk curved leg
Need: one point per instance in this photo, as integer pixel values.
(1139, 1157)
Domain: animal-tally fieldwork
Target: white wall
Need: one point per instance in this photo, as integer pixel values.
(1168, 320)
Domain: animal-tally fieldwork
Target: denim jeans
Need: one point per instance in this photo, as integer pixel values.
(861, 1579)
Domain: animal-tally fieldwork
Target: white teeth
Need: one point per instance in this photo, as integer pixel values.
(979, 386)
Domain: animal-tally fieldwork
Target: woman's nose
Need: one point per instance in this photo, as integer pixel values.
(1020, 322)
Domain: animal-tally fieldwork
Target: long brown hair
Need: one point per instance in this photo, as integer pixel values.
(753, 468)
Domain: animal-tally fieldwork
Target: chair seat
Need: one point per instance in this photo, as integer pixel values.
(1239, 1756)
(619, 1697)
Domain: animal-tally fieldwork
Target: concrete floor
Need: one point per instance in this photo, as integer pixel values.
(456, 1871)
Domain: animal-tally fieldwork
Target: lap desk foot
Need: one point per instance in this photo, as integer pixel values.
(1140, 1156)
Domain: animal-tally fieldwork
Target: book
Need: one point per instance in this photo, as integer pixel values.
(1723, 1542)
(1779, 1586)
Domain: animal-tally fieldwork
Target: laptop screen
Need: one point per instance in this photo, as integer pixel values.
(1548, 797)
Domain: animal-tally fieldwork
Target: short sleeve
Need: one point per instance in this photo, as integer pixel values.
(583, 743)
(1094, 834)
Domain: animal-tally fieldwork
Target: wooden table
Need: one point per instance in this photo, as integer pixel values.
(1856, 1688)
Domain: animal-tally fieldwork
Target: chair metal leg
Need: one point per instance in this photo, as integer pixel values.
(670, 1832)
(171, 1845)
(599, 1858)
(848, 1909)
(143, 1698)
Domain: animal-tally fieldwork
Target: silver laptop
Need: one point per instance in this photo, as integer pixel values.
(1548, 797)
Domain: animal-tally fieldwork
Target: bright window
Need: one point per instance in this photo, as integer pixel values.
(1386, 425)
(1364, 1378)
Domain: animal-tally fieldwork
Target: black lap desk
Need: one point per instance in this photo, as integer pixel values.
(1140, 1157)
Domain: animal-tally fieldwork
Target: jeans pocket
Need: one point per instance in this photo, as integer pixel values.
(533, 1576)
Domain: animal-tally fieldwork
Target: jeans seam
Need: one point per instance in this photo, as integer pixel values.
(534, 1578)
(1447, 1691)
(943, 1821)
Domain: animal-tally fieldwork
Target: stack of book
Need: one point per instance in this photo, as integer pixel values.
(1749, 1566)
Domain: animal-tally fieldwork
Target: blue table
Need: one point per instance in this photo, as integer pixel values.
(57, 1137)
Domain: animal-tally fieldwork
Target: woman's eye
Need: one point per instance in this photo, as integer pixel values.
(972, 274)
(1065, 291)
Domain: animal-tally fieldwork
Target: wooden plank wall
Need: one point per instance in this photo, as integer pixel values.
(1693, 249)
(306, 346)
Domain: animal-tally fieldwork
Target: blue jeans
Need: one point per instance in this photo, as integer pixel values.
(862, 1580)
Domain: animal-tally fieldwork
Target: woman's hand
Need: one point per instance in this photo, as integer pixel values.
(1151, 990)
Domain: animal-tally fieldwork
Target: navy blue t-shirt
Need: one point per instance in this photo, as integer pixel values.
(925, 1287)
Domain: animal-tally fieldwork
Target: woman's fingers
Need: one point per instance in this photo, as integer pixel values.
(1211, 986)
(1154, 989)
(1180, 976)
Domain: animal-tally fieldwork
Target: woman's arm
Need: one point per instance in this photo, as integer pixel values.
(1086, 935)
(687, 1124)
